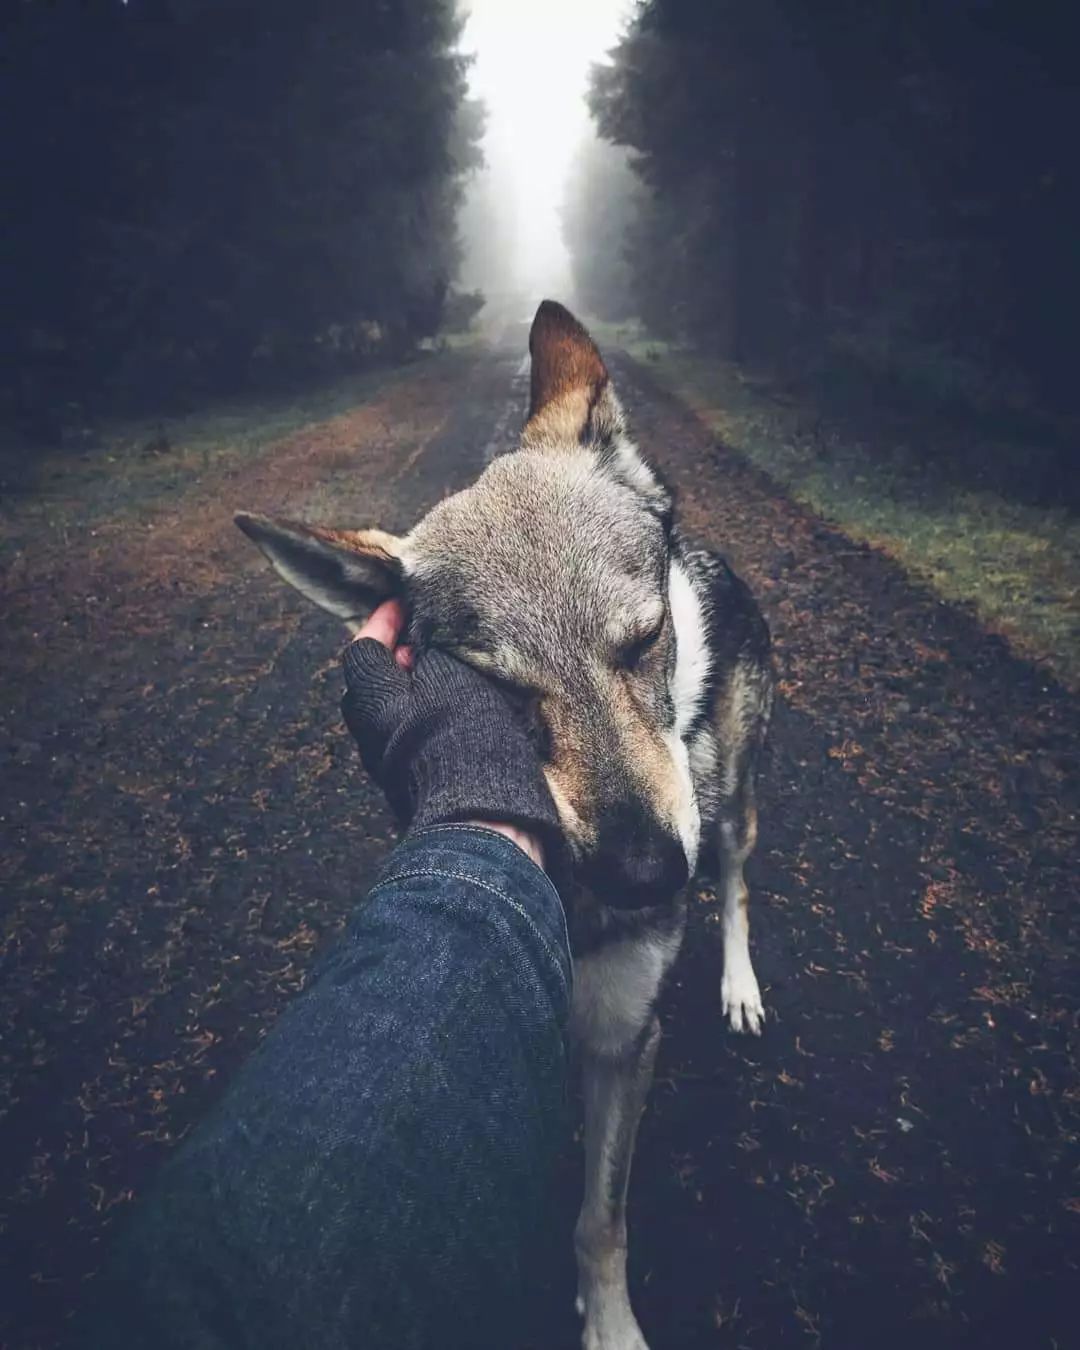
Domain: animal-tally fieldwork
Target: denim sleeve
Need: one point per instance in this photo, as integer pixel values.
(376, 1174)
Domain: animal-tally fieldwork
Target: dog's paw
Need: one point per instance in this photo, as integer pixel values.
(626, 1335)
(741, 999)
(610, 1323)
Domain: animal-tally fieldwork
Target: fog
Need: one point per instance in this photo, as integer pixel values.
(531, 61)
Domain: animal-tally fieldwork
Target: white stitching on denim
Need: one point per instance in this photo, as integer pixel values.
(451, 825)
(446, 825)
(475, 881)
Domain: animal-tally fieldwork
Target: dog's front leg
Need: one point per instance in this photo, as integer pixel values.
(739, 991)
(615, 1088)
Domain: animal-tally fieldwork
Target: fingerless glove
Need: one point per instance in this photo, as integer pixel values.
(443, 743)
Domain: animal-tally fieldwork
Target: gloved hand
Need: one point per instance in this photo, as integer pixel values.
(444, 744)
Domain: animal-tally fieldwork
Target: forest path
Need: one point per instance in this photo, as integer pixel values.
(185, 824)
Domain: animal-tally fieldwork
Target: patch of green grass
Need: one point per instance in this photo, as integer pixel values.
(468, 340)
(1017, 565)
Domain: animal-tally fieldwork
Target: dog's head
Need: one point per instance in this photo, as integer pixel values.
(550, 573)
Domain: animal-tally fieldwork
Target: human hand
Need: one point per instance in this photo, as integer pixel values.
(440, 739)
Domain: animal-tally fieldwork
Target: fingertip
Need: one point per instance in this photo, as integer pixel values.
(385, 623)
(405, 658)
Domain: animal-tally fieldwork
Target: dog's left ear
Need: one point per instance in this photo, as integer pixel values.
(347, 572)
(572, 404)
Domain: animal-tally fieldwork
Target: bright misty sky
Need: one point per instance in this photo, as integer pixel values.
(531, 68)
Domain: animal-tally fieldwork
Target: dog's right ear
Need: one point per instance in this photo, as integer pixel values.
(573, 405)
(567, 382)
(347, 572)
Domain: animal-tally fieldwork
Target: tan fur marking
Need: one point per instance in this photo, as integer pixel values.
(647, 756)
(565, 792)
(559, 423)
(751, 832)
(368, 543)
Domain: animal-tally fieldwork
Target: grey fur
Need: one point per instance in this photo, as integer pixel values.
(645, 666)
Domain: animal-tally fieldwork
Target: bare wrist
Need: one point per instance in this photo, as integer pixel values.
(528, 843)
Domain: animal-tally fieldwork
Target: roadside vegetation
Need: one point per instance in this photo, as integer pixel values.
(134, 464)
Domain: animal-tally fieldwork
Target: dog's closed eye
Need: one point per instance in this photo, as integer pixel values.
(635, 651)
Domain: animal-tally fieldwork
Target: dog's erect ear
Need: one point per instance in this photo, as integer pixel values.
(573, 404)
(568, 382)
(347, 572)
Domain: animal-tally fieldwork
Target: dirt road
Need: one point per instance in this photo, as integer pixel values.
(184, 824)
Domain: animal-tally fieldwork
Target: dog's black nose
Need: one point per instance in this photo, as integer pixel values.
(631, 871)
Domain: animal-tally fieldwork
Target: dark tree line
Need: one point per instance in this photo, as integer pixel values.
(898, 179)
(198, 192)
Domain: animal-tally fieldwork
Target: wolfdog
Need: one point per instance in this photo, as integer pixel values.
(644, 666)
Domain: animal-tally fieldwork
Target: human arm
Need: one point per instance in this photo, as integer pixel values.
(376, 1174)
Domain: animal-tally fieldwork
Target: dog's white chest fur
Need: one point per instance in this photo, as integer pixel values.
(693, 663)
(615, 988)
(693, 660)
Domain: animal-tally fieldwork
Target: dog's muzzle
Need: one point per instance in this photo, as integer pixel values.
(635, 866)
